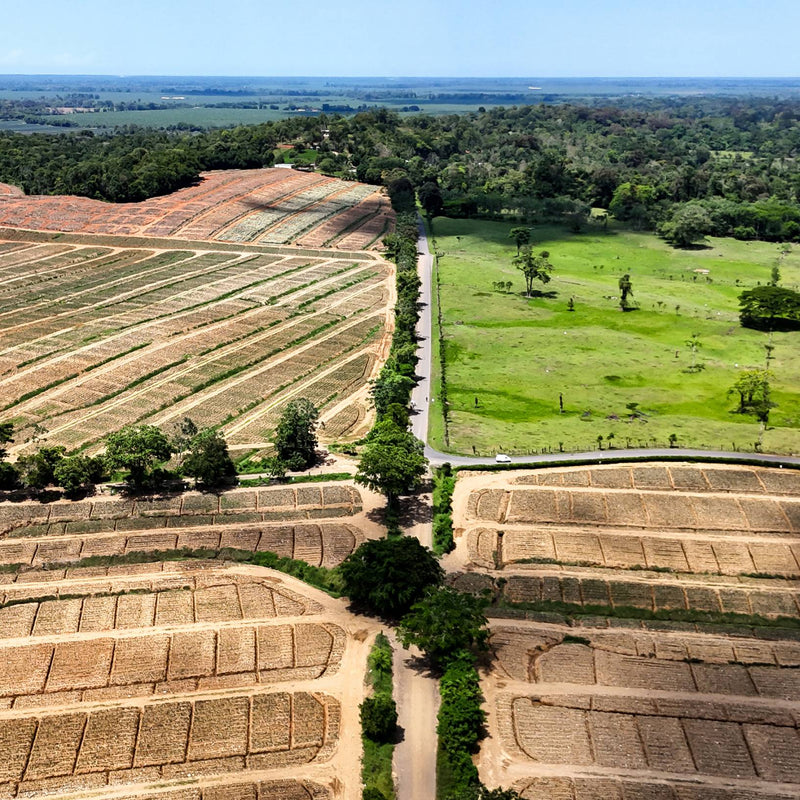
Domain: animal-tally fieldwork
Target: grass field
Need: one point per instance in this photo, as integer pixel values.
(516, 355)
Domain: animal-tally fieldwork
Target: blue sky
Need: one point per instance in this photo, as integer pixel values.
(486, 38)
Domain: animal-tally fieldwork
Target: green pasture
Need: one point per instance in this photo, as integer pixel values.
(517, 355)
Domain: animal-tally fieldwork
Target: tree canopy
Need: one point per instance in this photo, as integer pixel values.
(387, 576)
(444, 622)
(770, 308)
(534, 266)
(209, 461)
(296, 434)
(689, 224)
(393, 461)
(137, 449)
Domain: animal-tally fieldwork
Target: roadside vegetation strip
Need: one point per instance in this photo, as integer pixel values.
(751, 459)
(444, 484)
(376, 763)
(575, 611)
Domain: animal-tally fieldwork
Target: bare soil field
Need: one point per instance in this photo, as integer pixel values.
(278, 519)
(615, 672)
(178, 680)
(278, 206)
(103, 332)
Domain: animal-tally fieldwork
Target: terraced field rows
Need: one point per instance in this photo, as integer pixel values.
(275, 205)
(182, 680)
(214, 334)
(628, 680)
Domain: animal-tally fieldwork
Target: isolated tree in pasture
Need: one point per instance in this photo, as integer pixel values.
(753, 389)
(689, 223)
(769, 308)
(694, 344)
(137, 449)
(296, 434)
(521, 236)
(625, 291)
(534, 266)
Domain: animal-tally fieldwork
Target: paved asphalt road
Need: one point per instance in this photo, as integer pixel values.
(420, 399)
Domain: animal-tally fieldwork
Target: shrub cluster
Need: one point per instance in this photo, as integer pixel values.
(444, 484)
(379, 725)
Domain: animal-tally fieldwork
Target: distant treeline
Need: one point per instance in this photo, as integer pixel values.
(735, 157)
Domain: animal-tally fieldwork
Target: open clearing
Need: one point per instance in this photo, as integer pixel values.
(516, 356)
(616, 673)
(100, 333)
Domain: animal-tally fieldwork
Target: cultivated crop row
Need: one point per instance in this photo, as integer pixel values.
(178, 331)
(235, 205)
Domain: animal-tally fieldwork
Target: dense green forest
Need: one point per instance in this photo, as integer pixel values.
(733, 161)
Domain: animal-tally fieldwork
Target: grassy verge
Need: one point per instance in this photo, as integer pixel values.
(584, 462)
(573, 611)
(321, 478)
(376, 764)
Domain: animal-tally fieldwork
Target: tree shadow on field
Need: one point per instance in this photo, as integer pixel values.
(537, 294)
(694, 246)
(414, 510)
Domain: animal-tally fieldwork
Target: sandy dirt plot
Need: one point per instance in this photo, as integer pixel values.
(232, 205)
(179, 680)
(590, 692)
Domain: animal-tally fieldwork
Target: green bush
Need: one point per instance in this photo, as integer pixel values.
(379, 718)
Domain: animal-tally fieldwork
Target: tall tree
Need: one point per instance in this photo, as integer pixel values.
(209, 461)
(393, 461)
(753, 389)
(296, 434)
(521, 236)
(770, 308)
(444, 622)
(625, 291)
(534, 266)
(137, 449)
(387, 576)
(431, 198)
(690, 223)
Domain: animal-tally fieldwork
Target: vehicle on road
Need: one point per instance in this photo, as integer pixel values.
(502, 458)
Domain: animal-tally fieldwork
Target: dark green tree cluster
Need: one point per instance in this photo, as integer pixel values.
(48, 466)
(393, 460)
(387, 576)
(770, 308)
(137, 451)
(296, 434)
(734, 162)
